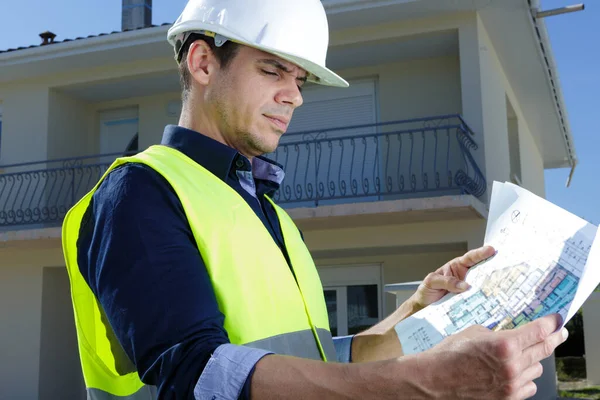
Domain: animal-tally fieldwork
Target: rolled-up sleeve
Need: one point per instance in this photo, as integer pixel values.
(343, 348)
(227, 372)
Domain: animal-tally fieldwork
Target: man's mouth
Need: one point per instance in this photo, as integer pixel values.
(280, 122)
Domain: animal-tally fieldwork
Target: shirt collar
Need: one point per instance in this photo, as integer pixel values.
(218, 158)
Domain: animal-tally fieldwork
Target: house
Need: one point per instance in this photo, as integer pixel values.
(388, 179)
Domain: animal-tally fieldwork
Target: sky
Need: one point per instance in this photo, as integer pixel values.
(574, 39)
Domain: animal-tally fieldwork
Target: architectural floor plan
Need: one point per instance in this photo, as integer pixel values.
(542, 255)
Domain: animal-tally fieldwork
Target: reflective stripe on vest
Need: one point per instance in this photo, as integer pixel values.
(266, 303)
(145, 393)
(290, 343)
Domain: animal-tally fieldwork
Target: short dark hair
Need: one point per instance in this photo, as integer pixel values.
(224, 55)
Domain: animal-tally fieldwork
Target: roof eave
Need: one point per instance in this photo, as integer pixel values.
(84, 45)
(551, 72)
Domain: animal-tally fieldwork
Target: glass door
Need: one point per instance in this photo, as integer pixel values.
(351, 308)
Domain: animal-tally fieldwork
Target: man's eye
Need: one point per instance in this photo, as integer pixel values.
(269, 72)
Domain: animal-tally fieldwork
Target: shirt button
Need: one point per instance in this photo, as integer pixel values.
(239, 163)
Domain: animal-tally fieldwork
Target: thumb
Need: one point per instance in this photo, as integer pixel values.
(442, 282)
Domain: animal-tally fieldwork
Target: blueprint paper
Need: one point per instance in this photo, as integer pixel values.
(544, 265)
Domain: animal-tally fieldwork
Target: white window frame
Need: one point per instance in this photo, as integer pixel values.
(123, 115)
(338, 278)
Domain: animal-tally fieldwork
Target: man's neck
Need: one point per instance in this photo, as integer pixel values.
(197, 118)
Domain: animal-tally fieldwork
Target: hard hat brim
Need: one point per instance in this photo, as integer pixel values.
(324, 76)
(318, 74)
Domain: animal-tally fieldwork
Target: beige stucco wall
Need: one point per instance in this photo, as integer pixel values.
(69, 126)
(20, 313)
(416, 234)
(414, 88)
(485, 89)
(24, 123)
(591, 329)
(60, 372)
(37, 338)
(532, 164)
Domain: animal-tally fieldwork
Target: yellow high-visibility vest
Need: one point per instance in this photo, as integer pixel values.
(265, 304)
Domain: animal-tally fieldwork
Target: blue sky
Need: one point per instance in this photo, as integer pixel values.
(574, 40)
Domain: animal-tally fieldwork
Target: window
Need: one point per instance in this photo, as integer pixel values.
(119, 130)
(352, 309)
(353, 297)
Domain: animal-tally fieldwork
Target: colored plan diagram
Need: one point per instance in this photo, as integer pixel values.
(512, 296)
(506, 298)
(540, 268)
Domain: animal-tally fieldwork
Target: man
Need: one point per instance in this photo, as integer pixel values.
(189, 282)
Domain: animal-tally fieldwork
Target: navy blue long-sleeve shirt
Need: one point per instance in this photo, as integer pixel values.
(137, 252)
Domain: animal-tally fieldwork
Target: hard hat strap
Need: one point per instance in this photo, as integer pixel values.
(182, 39)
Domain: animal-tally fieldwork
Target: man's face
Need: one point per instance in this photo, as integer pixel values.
(252, 100)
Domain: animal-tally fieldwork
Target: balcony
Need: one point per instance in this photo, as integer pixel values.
(392, 160)
(426, 157)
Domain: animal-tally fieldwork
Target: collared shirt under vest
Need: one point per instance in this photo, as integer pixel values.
(267, 304)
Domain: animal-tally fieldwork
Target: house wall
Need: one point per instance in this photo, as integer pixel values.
(406, 252)
(60, 371)
(24, 123)
(414, 234)
(69, 126)
(414, 88)
(485, 90)
(532, 164)
(591, 329)
(39, 352)
(20, 303)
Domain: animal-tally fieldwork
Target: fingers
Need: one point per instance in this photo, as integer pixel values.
(448, 283)
(533, 372)
(527, 391)
(536, 331)
(545, 348)
(476, 256)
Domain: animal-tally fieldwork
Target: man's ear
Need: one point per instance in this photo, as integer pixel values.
(201, 62)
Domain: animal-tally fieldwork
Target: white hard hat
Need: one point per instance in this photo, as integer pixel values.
(294, 30)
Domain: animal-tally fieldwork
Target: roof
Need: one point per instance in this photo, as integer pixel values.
(81, 38)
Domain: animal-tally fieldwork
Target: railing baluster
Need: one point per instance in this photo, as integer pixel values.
(413, 178)
(400, 175)
(388, 179)
(353, 183)
(341, 182)
(423, 171)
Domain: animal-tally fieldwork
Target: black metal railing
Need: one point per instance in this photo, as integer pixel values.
(400, 159)
(397, 159)
(42, 192)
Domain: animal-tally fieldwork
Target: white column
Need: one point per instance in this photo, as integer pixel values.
(484, 100)
(591, 333)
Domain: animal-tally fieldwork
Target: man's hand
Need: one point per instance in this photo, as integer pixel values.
(450, 277)
(480, 364)
(380, 341)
